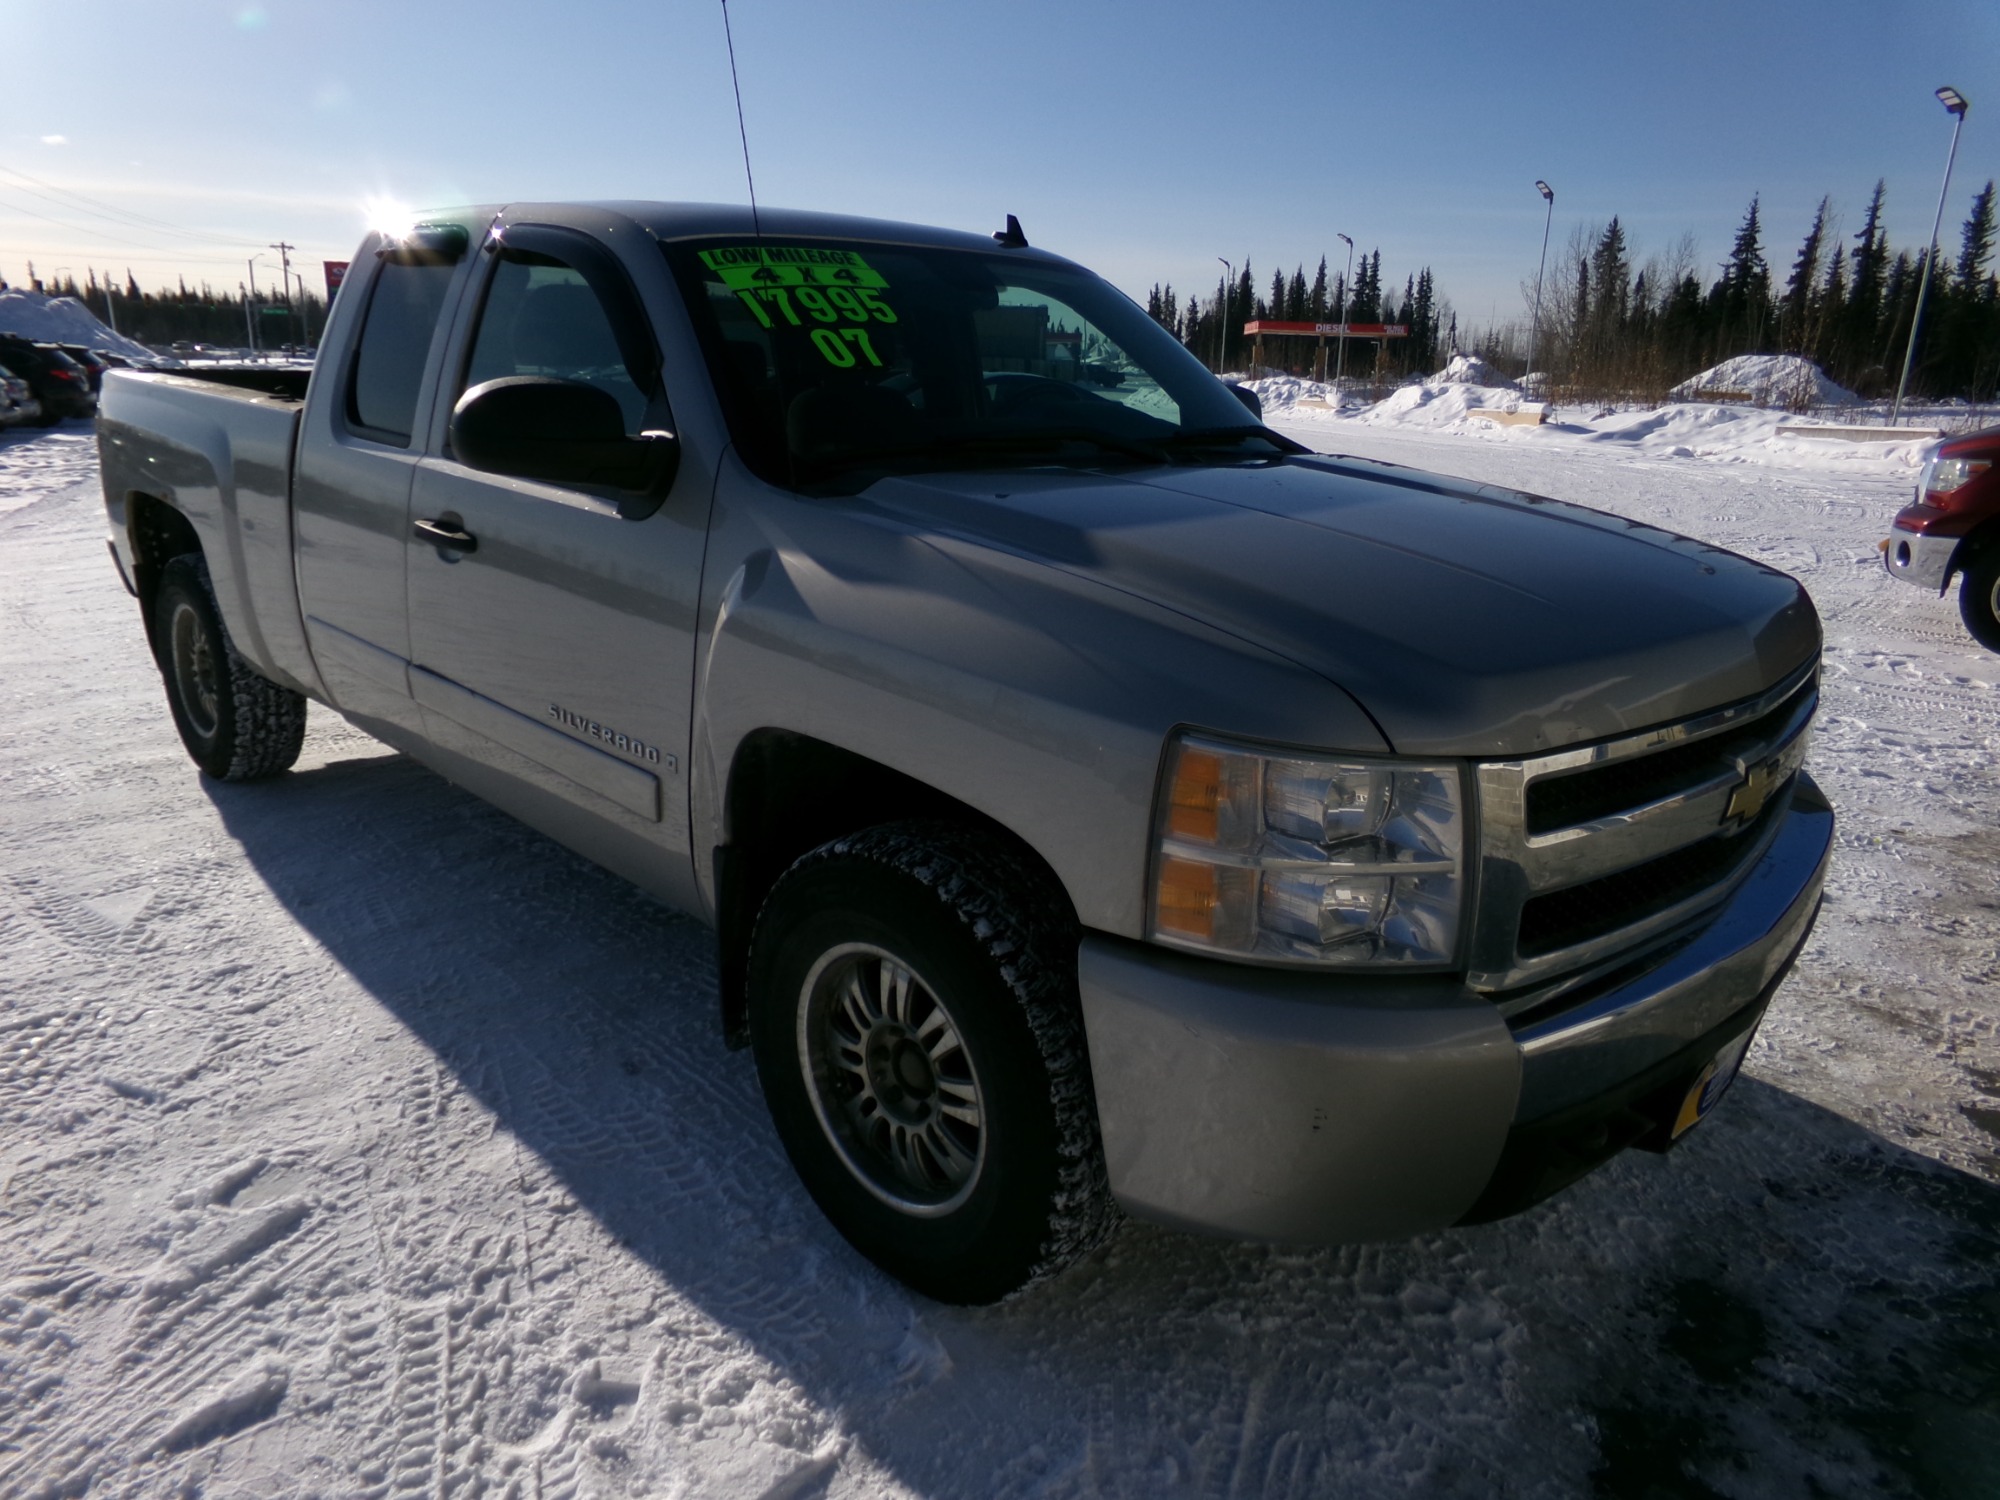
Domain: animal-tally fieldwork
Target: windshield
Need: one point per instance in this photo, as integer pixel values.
(839, 362)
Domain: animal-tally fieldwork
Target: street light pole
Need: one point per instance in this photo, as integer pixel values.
(1955, 102)
(1222, 333)
(1535, 327)
(285, 256)
(252, 263)
(1346, 296)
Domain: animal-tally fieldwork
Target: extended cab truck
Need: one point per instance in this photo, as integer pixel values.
(1952, 528)
(1099, 799)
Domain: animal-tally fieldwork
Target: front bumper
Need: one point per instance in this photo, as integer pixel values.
(1920, 558)
(1277, 1105)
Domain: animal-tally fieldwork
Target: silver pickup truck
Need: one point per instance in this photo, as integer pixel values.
(1100, 801)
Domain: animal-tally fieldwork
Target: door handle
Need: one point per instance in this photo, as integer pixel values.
(447, 535)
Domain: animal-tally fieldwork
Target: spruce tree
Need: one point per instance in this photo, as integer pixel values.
(1796, 311)
(1742, 298)
(1316, 301)
(1976, 240)
(1862, 327)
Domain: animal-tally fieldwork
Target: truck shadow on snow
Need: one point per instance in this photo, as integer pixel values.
(1787, 1304)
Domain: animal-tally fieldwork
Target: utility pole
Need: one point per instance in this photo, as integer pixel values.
(249, 337)
(1346, 292)
(110, 307)
(285, 255)
(1222, 319)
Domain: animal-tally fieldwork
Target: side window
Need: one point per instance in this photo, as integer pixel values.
(403, 309)
(543, 318)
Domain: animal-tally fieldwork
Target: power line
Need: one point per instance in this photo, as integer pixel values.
(98, 208)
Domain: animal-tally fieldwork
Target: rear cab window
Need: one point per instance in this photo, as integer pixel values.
(405, 301)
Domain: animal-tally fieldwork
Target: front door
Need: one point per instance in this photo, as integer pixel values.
(552, 639)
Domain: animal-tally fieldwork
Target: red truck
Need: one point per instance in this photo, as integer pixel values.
(1953, 528)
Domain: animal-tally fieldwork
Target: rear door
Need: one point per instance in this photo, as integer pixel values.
(351, 494)
(558, 648)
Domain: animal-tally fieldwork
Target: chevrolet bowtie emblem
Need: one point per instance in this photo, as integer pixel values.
(1759, 782)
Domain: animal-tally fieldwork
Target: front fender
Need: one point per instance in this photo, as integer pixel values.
(1037, 697)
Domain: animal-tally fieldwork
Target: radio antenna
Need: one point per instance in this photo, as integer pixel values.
(756, 227)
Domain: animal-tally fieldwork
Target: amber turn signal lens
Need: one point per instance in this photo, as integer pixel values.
(1186, 898)
(1196, 796)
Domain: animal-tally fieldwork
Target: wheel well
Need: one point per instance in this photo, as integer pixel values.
(1983, 538)
(159, 534)
(788, 794)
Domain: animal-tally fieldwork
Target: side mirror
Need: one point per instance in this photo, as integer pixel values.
(562, 431)
(1248, 397)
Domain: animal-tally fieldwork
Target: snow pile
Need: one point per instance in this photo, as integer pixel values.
(1470, 369)
(1440, 405)
(62, 320)
(1283, 392)
(1765, 380)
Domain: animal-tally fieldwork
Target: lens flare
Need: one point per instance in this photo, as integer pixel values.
(387, 216)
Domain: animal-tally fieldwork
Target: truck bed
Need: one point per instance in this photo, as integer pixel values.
(287, 382)
(217, 445)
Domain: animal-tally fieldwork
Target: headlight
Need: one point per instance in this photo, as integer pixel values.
(1324, 859)
(1948, 474)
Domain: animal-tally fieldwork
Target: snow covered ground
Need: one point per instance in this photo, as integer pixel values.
(356, 1141)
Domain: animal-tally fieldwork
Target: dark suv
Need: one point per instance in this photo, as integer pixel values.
(94, 364)
(59, 382)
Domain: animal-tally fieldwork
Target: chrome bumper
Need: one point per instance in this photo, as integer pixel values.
(1270, 1104)
(1919, 559)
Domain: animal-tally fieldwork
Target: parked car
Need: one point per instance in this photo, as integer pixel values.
(17, 400)
(59, 382)
(93, 363)
(1952, 530)
(1099, 798)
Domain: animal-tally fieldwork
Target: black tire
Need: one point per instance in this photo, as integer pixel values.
(1008, 1186)
(1979, 596)
(236, 724)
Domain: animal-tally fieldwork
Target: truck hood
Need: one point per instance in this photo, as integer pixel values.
(1466, 619)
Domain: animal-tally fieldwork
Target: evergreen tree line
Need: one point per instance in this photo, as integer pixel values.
(1199, 322)
(194, 315)
(1609, 329)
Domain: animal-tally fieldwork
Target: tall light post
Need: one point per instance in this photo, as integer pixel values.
(284, 250)
(1954, 101)
(252, 263)
(1535, 327)
(1222, 316)
(1346, 294)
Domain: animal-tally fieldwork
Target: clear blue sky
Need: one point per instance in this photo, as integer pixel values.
(179, 136)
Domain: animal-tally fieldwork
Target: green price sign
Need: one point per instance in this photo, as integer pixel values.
(756, 267)
(800, 286)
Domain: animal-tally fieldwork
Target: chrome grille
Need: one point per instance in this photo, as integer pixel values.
(1589, 852)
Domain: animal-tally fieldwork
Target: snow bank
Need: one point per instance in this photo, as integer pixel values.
(1440, 404)
(1470, 369)
(1284, 392)
(1690, 430)
(62, 320)
(1765, 380)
